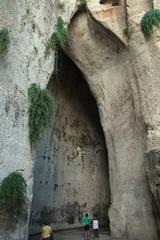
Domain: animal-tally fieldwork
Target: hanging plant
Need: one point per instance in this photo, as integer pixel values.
(60, 37)
(13, 191)
(58, 40)
(4, 40)
(42, 104)
(150, 19)
(126, 32)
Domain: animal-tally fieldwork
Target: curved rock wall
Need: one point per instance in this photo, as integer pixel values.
(146, 61)
(118, 78)
(72, 158)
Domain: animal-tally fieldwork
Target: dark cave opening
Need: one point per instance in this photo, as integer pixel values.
(71, 168)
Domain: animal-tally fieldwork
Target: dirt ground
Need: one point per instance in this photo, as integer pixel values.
(75, 235)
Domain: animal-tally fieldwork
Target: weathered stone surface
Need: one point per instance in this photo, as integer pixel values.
(156, 3)
(153, 175)
(30, 24)
(111, 15)
(72, 158)
(108, 70)
(146, 62)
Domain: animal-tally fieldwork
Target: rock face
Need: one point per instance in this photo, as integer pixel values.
(30, 24)
(111, 15)
(121, 83)
(124, 80)
(72, 157)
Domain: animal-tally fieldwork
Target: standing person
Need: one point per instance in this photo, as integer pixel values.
(95, 225)
(47, 233)
(86, 225)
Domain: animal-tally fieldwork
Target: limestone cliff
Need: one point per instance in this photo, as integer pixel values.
(121, 79)
(122, 73)
(30, 24)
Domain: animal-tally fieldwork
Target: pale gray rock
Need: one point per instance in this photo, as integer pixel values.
(30, 24)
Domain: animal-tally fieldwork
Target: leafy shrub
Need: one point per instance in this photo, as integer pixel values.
(150, 19)
(60, 37)
(41, 107)
(4, 40)
(126, 32)
(13, 191)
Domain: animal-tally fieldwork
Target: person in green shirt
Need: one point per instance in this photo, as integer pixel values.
(86, 225)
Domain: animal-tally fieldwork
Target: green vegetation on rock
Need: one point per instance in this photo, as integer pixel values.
(42, 104)
(150, 19)
(13, 191)
(126, 32)
(60, 37)
(4, 40)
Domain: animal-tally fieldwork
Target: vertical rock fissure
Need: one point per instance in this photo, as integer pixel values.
(71, 157)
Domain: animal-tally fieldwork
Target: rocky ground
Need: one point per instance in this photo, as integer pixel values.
(75, 235)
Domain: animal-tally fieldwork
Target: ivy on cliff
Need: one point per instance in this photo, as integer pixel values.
(42, 104)
(4, 40)
(58, 40)
(150, 19)
(60, 37)
(13, 191)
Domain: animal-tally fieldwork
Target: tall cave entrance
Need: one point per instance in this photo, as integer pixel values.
(71, 168)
